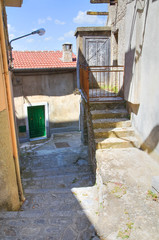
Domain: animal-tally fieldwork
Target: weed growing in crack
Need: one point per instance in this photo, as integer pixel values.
(152, 195)
(74, 180)
(119, 191)
(125, 234)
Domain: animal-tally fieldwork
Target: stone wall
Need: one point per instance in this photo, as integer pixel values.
(88, 134)
(116, 21)
(83, 123)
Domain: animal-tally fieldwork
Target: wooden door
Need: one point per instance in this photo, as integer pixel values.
(97, 54)
(97, 51)
(36, 119)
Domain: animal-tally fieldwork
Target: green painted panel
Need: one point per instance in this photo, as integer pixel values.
(36, 118)
(22, 129)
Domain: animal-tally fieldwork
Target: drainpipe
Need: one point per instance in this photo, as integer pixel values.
(10, 108)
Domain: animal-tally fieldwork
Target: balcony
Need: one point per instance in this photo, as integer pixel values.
(98, 83)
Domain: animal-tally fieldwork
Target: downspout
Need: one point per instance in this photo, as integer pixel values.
(10, 109)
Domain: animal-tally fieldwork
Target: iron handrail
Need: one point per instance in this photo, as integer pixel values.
(101, 81)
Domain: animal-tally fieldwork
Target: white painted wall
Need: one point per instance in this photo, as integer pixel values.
(142, 69)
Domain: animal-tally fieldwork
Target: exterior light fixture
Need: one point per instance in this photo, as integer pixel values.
(40, 31)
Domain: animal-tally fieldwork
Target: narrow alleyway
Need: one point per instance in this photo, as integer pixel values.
(64, 203)
(61, 198)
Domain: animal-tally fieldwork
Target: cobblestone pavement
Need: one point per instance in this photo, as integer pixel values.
(61, 198)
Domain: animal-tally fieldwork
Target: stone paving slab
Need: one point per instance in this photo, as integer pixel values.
(59, 225)
(128, 207)
(80, 180)
(27, 173)
(60, 194)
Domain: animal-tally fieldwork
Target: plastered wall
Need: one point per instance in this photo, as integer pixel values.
(56, 89)
(136, 23)
(9, 198)
(141, 62)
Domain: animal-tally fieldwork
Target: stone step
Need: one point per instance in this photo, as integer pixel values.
(60, 181)
(109, 113)
(40, 153)
(48, 191)
(113, 132)
(111, 123)
(30, 172)
(56, 176)
(34, 213)
(60, 159)
(42, 224)
(60, 200)
(125, 142)
(112, 104)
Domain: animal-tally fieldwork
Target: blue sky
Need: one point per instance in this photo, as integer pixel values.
(60, 18)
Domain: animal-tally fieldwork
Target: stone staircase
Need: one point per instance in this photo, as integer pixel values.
(111, 125)
(112, 131)
(60, 197)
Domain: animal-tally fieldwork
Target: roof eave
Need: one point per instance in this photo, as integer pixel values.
(13, 3)
(42, 69)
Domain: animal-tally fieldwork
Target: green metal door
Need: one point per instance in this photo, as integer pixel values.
(36, 119)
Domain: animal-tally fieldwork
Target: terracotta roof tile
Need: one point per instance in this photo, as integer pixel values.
(41, 59)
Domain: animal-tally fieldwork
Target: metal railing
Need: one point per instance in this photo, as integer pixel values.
(99, 82)
(84, 81)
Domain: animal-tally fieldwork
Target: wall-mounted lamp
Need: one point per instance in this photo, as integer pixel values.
(40, 31)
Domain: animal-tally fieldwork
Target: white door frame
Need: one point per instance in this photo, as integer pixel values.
(46, 106)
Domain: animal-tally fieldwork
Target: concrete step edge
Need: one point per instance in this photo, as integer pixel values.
(119, 129)
(56, 177)
(112, 140)
(109, 100)
(110, 120)
(38, 213)
(75, 168)
(40, 152)
(108, 111)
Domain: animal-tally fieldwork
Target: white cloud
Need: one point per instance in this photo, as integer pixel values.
(11, 28)
(59, 22)
(61, 39)
(69, 34)
(48, 38)
(83, 18)
(30, 40)
(43, 20)
(11, 36)
(49, 18)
